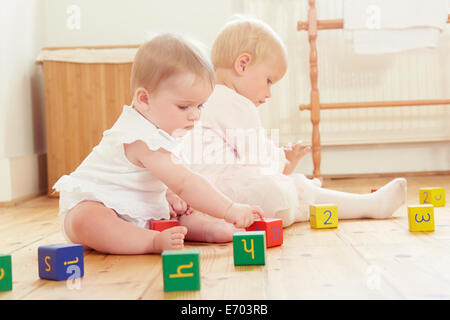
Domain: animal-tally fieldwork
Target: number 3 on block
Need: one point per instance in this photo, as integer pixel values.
(421, 217)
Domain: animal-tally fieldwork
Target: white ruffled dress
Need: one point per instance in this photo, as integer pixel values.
(258, 182)
(107, 176)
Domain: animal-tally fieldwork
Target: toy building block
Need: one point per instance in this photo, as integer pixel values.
(5, 272)
(434, 196)
(373, 190)
(160, 225)
(181, 269)
(273, 229)
(249, 248)
(421, 217)
(323, 216)
(61, 261)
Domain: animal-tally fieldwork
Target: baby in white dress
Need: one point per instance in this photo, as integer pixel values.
(107, 201)
(248, 58)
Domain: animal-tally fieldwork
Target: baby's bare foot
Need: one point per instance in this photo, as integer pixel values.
(170, 239)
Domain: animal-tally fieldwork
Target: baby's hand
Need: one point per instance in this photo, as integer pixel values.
(177, 205)
(170, 239)
(293, 156)
(242, 215)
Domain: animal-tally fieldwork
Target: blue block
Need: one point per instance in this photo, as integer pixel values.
(61, 261)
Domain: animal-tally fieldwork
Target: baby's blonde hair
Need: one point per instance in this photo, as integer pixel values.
(243, 34)
(165, 55)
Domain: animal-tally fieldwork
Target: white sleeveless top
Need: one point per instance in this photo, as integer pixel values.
(107, 176)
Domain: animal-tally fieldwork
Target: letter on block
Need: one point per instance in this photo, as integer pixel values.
(5, 272)
(249, 248)
(323, 216)
(421, 217)
(434, 196)
(61, 261)
(273, 229)
(160, 225)
(181, 269)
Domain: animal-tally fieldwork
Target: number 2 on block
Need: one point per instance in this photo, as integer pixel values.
(425, 200)
(329, 217)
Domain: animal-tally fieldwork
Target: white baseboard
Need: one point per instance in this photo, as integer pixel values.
(380, 158)
(26, 176)
(22, 177)
(5, 176)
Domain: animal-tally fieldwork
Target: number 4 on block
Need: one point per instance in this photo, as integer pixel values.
(249, 248)
(323, 216)
(5, 272)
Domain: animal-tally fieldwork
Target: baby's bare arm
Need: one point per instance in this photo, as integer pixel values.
(191, 187)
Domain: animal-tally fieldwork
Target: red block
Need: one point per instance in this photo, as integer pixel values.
(273, 229)
(160, 225)
(373, 190)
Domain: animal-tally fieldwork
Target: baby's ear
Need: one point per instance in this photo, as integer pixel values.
(242, 62)
(141, 96)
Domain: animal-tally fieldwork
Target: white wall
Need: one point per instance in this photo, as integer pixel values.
(354, 141)
(110, 22)
(22, 120)
(26, 26)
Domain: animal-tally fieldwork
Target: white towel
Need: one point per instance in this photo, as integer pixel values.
(383, 26)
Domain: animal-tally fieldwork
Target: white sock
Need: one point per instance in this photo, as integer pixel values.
(378, 205)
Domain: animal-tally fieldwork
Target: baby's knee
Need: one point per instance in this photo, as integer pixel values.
(77, 221)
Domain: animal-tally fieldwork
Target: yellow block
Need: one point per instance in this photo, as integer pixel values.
(323, 216)
(434, 196)
(421, 217)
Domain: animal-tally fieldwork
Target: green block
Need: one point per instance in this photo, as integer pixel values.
(249, 248)
(181, 269)
(5, 272)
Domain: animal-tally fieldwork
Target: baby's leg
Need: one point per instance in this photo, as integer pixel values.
(92, 224)
(380, 204)
(202, 227)
(287, 216)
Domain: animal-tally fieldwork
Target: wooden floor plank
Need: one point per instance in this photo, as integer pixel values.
(361, 259)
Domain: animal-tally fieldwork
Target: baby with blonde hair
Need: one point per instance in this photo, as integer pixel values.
(249, 58)
(107, 202)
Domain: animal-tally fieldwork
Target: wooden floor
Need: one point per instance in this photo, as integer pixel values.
(361, 259)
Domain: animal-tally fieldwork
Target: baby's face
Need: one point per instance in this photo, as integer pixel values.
(256, 82)
(177, 102)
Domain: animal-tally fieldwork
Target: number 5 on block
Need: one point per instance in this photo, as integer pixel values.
(323, 216)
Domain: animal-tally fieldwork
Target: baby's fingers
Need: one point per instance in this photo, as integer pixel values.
(302, 153)
(180, 206)
(189, 210)
(172, 211)
(258, 211)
